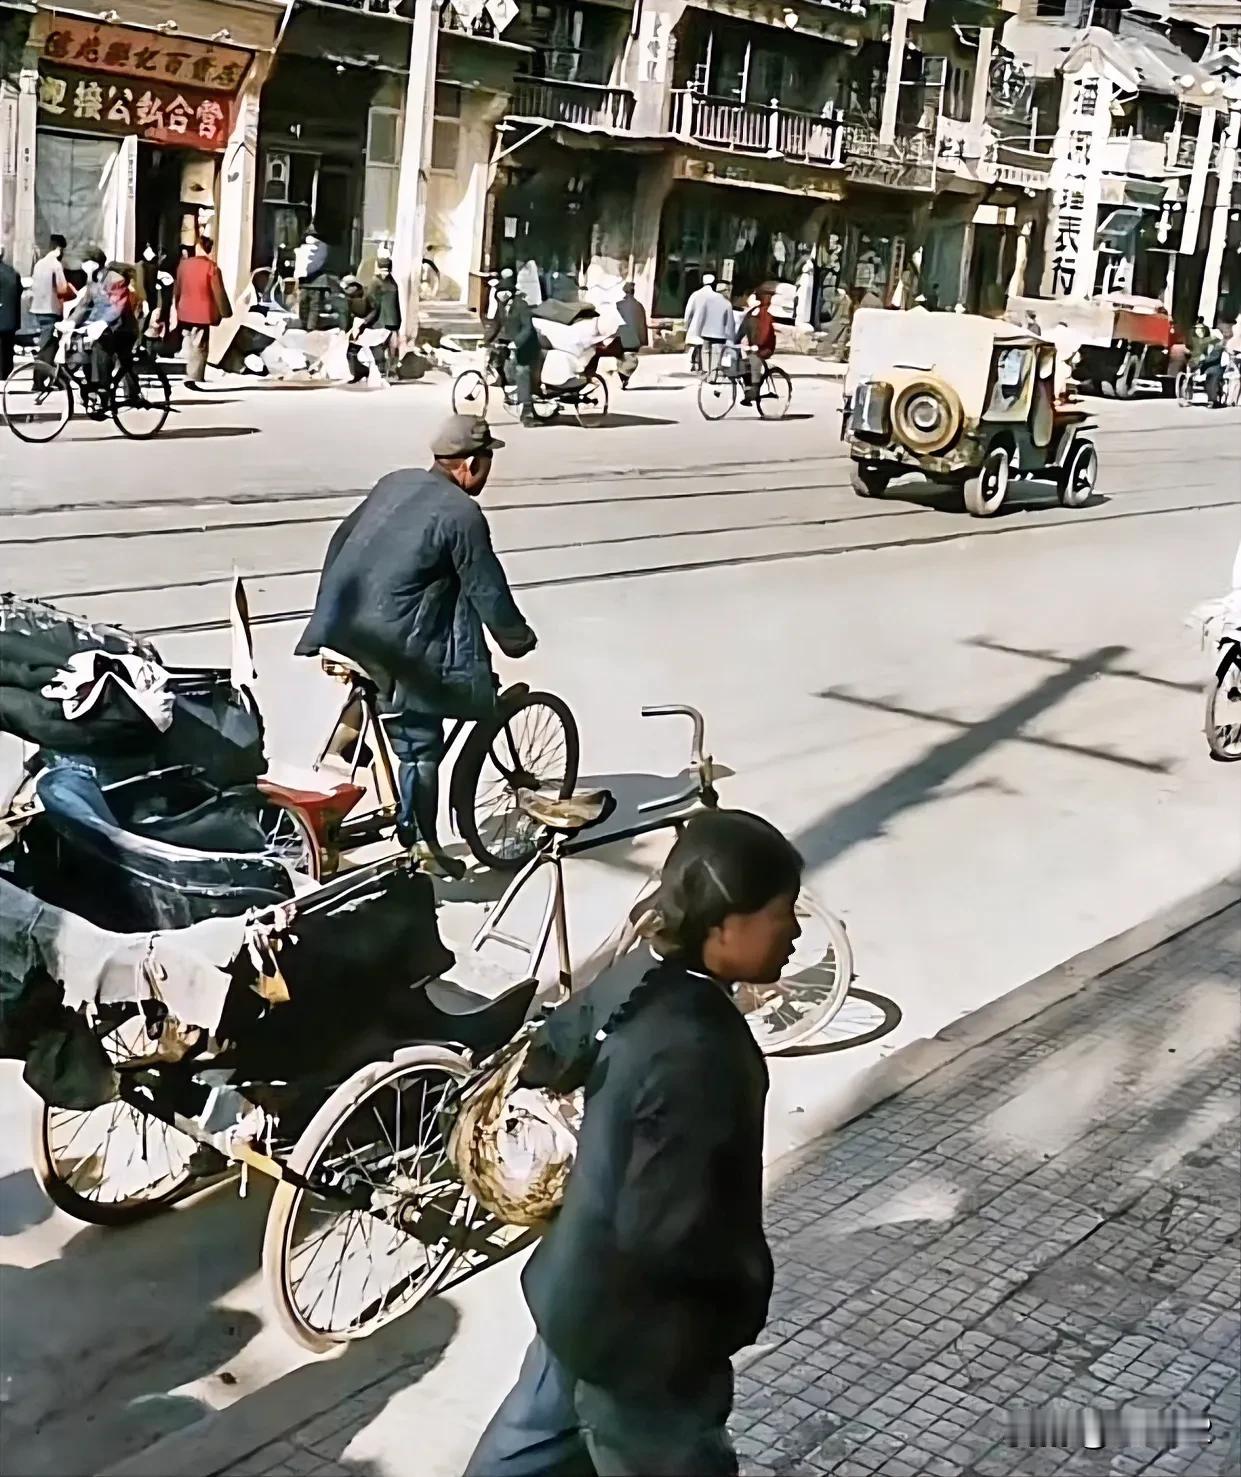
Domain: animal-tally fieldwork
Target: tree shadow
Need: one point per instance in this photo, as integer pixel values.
(923, 779)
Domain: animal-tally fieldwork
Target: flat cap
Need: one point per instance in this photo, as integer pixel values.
(462, 436)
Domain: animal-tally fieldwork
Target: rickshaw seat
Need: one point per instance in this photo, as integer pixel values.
(129, 883)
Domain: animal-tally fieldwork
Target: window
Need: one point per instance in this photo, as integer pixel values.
(446, 128)
(957, 88)
(383, 152)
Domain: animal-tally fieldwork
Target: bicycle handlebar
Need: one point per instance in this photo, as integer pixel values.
(699, 765)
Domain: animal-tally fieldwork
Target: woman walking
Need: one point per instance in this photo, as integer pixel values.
(656, 1271)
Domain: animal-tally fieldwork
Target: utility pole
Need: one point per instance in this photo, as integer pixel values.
(409, 247)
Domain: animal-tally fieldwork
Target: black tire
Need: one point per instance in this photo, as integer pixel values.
(470, 393)
(1075, 484)
(485, 805)
(717, 394)
(1224, 739)
(591, 403)
(869, 480)
(37, 401)
(1185, 387)
(1125, 383)
(351, 1143)
(544, 408)
(141, 400)
(429, 279)
(986, 489)
(291, 839)
(775, 395)
(110, 1127)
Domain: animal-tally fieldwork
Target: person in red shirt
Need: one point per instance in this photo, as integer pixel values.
(199, 302)
(757, 330)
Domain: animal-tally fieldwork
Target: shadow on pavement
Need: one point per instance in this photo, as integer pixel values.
(614, 421)
(206, 433)
(864, 1018)
(22, 1203)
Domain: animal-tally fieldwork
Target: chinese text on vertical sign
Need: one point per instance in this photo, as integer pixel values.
(1071, 198)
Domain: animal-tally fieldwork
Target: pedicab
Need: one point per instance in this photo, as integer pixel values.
(189, 1010)
(969, 402)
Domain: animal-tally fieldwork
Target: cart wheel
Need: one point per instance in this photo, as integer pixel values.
(291, 839)
(339, 1266)
(812, 988)
(1223, 719)
(112, 1165)
(591, 403)
(37, 401)
(469, 393)
(141, 400)
(534, 747)
(1185, 387)
(717, 394)
(869, 480)
(1076, 483)
(775, 394)
(1123, 386)
(985, 490)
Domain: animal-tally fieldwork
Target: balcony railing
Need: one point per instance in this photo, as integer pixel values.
(1179, 152)
(576, 104)
(907, 163)
(757, 129)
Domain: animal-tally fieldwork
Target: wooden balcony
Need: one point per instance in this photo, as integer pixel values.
(574, 104)
(753, 128)
(907, 163)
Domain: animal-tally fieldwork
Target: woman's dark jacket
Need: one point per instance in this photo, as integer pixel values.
(656, 1270)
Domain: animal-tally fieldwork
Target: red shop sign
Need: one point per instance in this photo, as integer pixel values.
(159, 112)
(88, 46)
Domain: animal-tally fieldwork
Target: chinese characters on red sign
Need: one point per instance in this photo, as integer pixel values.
(158, 112)
(143, 54)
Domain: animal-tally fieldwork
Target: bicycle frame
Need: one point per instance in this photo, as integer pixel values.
(555, 847)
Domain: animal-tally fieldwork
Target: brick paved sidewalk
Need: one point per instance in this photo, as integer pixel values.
(1052, 1217)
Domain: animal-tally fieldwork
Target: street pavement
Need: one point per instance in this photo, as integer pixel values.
(1051, 1219)
(986, 738)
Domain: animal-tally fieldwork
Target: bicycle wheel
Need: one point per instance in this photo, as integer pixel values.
(291, 839)
(1223, 718)
(429, 280)
(591, 403)
(811, 989)
(544, 408)
(37, 401)
(390, 1218)
(1185, 387)
(716, 396)
(114, 1164)
(775, 394)
(534, 746)
(470, 393)
(141, 400)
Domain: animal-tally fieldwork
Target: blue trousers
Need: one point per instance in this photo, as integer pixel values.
(418, 743)
(551, 1425)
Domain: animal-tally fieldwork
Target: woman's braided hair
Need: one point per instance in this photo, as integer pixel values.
(723, 862)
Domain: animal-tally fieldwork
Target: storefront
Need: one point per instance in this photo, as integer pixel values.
(131, 128)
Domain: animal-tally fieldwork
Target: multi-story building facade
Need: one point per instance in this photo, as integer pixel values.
(131, 128)
(1139, 101)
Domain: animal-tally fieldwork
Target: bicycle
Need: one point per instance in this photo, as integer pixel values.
(371, 1203)
(530, 744)
(38, 397)
(718, 388)
(475, 391)
(1192, 382)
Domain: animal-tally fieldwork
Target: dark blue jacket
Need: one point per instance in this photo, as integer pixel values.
(409, 583)
(656, 1269)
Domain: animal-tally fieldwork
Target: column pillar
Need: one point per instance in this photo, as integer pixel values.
(1226, 173)
(234, 245)
(411, 190)
(982, 78)
(1017, 282)
(25, 247)
(896, 66)
(1198, 182)
(654, 182)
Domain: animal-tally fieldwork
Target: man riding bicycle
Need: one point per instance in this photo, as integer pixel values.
(757, 330)
(409, 584)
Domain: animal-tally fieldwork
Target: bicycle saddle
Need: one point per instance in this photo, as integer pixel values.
(576, 813)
